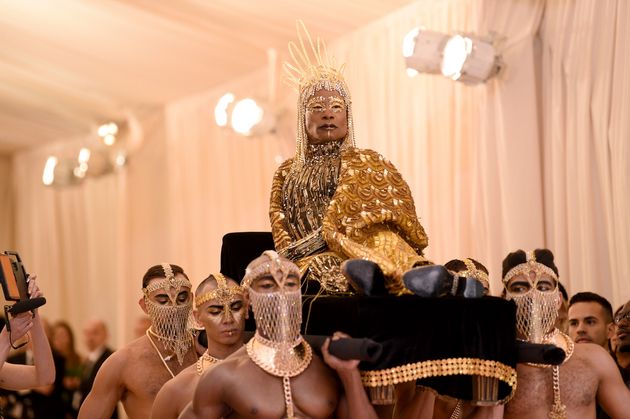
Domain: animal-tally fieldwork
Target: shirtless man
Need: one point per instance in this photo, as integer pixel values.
(221, 309)
(135, 373)
(276, 374)
(588, 374)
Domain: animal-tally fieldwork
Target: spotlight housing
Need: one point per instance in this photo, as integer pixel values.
(466, 58)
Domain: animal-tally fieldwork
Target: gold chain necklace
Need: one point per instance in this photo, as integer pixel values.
(567, 345)
(205, 361)
(558, 410)
(160, 354)
(458, 411)
(281, 360)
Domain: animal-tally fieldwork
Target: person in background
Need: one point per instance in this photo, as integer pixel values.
(590, 319)
(95, 337)
(63, 342)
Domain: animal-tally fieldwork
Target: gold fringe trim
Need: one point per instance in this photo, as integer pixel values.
(441, 368)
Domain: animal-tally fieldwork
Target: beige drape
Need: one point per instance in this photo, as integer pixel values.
(533, 158)
(6, 204)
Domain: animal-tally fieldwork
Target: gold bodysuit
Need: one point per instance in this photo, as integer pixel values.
(345, 203)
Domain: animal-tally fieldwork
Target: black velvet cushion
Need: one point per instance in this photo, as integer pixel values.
(413, 329)
(238, 249)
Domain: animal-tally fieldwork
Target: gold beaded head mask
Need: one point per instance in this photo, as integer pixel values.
(471, 271)
(278, 314)
(170, 321)
(311, 69)
(537, 307)
(225, 294)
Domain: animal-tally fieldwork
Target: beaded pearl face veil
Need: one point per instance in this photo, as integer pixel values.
(170, 322)
(311, 69)
(536, 310)
(277, 346)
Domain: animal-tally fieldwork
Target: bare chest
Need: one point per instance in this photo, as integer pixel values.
(312, 397)
(144, 377)
(535, 390)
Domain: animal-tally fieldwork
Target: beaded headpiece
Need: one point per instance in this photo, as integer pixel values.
(170, 281)
(277, 267)
(224, 292)
(312, 69)
(531, 265)
(472, 271)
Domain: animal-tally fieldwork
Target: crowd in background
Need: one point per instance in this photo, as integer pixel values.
(75, 371)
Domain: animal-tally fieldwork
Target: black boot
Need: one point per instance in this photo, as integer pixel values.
(436, 281)
(428, 281)
(469, 288)
(364, 276)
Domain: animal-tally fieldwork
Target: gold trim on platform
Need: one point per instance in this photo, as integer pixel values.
(440, 368)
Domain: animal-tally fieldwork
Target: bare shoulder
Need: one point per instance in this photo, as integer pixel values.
(180, 381)
(224, 372)
(594, 356)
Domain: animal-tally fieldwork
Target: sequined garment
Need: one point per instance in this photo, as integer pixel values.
(306, 194)
(371, 215)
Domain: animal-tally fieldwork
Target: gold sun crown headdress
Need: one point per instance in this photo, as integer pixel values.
(312, 69)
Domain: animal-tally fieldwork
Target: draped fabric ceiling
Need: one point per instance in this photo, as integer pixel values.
(534, 158)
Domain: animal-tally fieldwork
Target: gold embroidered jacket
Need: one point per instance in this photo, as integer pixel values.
(371, 215)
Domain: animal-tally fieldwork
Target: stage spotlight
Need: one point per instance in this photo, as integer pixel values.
(108, 133)
(48, 177)
(469, 60)
(463, 58)
(422, 50)
(246, 115)
(221, 110)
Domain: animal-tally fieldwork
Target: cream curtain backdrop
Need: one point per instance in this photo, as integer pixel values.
(586, 137)
(487, 164)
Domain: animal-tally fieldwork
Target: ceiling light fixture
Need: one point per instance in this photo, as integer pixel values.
(461, 57)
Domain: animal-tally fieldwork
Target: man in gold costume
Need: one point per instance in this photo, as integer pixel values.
(221, 309)
(334, 202)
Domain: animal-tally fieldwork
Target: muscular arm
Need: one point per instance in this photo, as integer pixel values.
(612, 394)
(166, 402)
(207, 402)
(354, 403)
(106, 391)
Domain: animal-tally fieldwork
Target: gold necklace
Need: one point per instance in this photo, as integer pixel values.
(458, 411)
(552, 338)
(281, 360)
(205, 361)
(160, 354)
(558, 410)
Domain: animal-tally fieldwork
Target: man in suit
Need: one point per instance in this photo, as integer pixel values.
(95, 335)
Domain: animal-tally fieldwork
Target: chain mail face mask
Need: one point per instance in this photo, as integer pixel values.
(536, 310)
(277, 346)
(170, 323)
(536, 313)
(278, 315)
